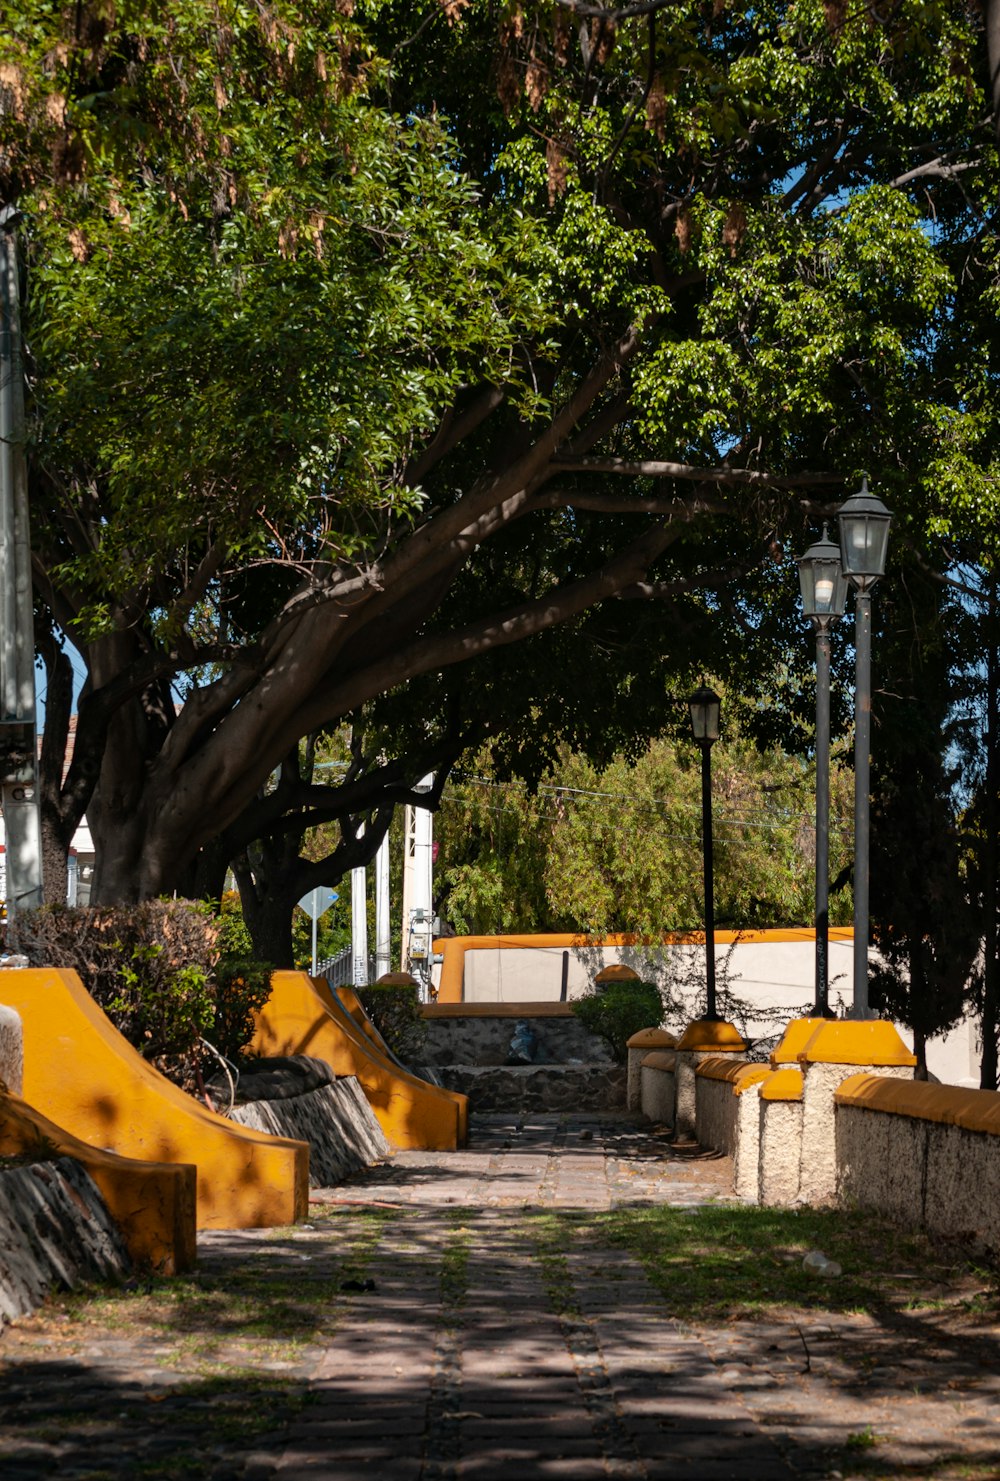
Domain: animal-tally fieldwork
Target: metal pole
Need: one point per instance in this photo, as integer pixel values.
(19, 799)
(315, 927)
(822, 1006)
(383, 937)
(862, 789)
(706, 846)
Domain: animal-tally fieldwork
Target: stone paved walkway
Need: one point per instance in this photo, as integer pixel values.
(417, 1328)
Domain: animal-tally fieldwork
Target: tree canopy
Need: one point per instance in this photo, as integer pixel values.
(368, 341)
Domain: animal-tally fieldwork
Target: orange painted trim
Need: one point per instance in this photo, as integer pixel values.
(453, 948)
(844, 1041)
(153, 1203)
(652, 1038)
(783, 1085)
(948, 1105)
(661, 1059)
(704, 1033)
(740, 1075)
(795, 1038)
(300, 1018)
(82, 1074)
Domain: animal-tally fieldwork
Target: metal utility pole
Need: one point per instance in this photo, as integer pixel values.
(383, 938)
(19, 795)
(359, 927)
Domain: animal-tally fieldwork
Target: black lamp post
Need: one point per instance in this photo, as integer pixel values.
(824, 595)
(704, 707)
(864, 537)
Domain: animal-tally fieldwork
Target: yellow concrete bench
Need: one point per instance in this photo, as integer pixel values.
(82, 1074)
(153, 1203)
(301, 1018)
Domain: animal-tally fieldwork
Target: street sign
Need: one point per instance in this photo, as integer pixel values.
(318, 901)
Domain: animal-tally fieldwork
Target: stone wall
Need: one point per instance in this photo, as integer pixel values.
(485, 1040)
(334, 1118)
(547, 1088)
(11, 1050)
(55, 1233)
(926, 1155)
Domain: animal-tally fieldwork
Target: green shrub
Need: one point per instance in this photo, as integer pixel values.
(156, 971)
(395, 1012)
(619, 1011)
(242, 987)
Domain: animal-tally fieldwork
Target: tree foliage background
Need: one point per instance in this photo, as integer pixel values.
(410, 366)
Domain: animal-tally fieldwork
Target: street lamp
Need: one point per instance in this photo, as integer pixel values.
(704, 707)
(864, 536)
(823, 586)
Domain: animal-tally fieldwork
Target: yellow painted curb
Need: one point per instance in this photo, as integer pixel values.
(345, 1000)
(706, 1033)
(82, 1074)
(795, 1038)
(300, 1019)
(652, 1038)
(740, 1075)
(949, 1105)
(844, 1041)
(153, 1203)
(660, 1059)
(783, 1084)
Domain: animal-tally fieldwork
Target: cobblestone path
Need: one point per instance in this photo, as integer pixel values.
(427, 1324)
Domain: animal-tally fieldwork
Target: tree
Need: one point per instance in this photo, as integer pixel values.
(316, 416)
(619, 849)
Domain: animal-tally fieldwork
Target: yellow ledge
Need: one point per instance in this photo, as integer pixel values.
(782, 1085)
(795, 1038)
(341, 1000)
(843, 1041)
(81, 1074)
(706, 1033)
(740, 1076)
(652, 1038)
(153, 1203)
(301, 1017)
(949, 1105)
(660, 1059)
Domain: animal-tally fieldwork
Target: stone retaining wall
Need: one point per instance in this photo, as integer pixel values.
(335, 1119)
(11, 1050)
(549, 1087)
(55, 1233)
(484, 1038)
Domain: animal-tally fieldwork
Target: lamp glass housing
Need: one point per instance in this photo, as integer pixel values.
(705, 707)
(864, 523)
(822, 582)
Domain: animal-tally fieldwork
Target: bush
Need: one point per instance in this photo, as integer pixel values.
(155, 970)
(395, 1012)
(619, 1011)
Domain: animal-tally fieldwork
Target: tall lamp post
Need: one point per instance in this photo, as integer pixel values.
(823, 586)
(704, 707)
(864, 537)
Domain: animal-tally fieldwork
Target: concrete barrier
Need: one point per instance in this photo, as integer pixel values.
(83, 1075)
(646, 1041)
(779, 1169)
(301, 1017)
(657, 1086)
(718, 1083)
(705, 1038)
(151, 1203)
(927, 1155)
